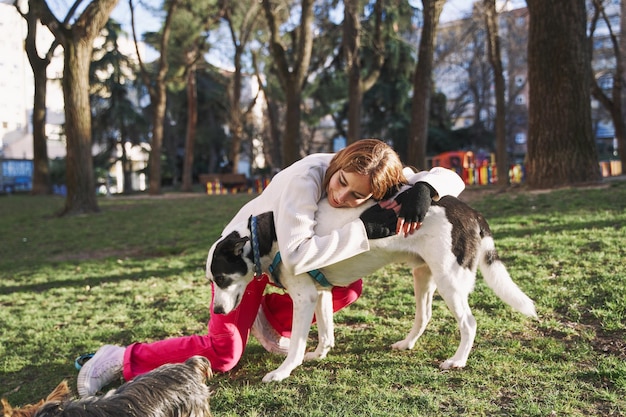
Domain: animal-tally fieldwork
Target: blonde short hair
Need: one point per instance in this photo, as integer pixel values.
(371, 157)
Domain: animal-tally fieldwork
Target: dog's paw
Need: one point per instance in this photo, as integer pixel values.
(319, 353)
(403, 345)
(314, 356)
(452, 363)
(276, 376)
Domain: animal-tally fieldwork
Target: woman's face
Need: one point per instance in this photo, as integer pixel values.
(348, 189)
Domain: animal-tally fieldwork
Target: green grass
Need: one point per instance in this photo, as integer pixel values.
(135, 272)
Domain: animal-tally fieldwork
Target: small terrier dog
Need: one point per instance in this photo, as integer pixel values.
(59, 394)
(172, 390)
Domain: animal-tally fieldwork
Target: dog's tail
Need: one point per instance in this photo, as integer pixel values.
(499, 280)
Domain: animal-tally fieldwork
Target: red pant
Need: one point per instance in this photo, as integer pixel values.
(227, 335)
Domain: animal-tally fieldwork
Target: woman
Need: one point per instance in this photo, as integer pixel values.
(366, 169)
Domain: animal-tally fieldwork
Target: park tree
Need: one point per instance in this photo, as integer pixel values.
(360, 79)
(387, 105)
(493, 42)
(291, 61)
(77, 40)
(422, 84)
(271, 135)
(117, 120)
(188, 45)
(155, 80)
(612, 102)
(561, 147)
(192, 124)
(39, 64)
(242, 18)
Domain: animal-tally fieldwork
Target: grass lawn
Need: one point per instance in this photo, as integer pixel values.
(135, 272)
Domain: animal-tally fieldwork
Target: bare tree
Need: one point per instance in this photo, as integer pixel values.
(157, 88)
(77, 41)
(422, 85)
(612, 104)
(561, 148)
(241, 17)
(271, 141)
(189, 42)
(357, 83)
(192, 123)
(292, 63)
(39, 65)
(493, 36)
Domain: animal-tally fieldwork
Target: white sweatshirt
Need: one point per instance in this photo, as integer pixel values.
(293, 195)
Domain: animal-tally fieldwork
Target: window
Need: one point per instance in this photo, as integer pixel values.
(520, 99)
(520, 138)
(606, 83)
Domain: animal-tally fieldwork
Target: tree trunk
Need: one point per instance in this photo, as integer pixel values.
(158, 93)
(291, 75)
(235, 112)
(615, 103)
(561, 148)
(422, 85)
(359, 83)
(127, 165)
(502, 162)
(291, 138)
(192, 123)
(621, 135)
(159, 100)
(41, 173)
(41, 169)
(77, 41)
(81, 186)
(271, 142)
(351, 46)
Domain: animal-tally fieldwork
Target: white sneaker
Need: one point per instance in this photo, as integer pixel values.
(99, 371)
(269, 338)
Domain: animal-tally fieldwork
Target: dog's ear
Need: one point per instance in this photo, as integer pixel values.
(60, 393)
(231, 245)
(7, 410)
(26, 411)
(201, 365)
(239, 244)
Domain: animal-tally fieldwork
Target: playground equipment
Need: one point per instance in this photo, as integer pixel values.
(476, 171)
(469, 167)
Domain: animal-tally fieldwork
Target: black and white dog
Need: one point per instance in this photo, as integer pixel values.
(453, 241)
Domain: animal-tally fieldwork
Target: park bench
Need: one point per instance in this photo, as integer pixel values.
(229, 182)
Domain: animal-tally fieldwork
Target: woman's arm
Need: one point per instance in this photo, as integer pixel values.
(443, 180)
(294, 219)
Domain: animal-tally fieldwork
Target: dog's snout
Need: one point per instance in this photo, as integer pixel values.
(218, 310)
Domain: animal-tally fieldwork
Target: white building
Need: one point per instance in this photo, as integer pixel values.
(17, 90)
(17, 93)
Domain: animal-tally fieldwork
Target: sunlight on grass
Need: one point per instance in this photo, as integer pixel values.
(135, 272)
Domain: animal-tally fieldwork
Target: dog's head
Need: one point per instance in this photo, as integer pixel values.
(201, 366)
(59, 395)
(230, 267)
(230, 264)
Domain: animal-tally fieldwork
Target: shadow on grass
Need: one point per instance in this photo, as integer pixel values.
(97, 280)
(541, 228)
(40, 380)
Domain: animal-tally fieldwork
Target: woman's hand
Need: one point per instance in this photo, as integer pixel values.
(379, 222)
(411, 206)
